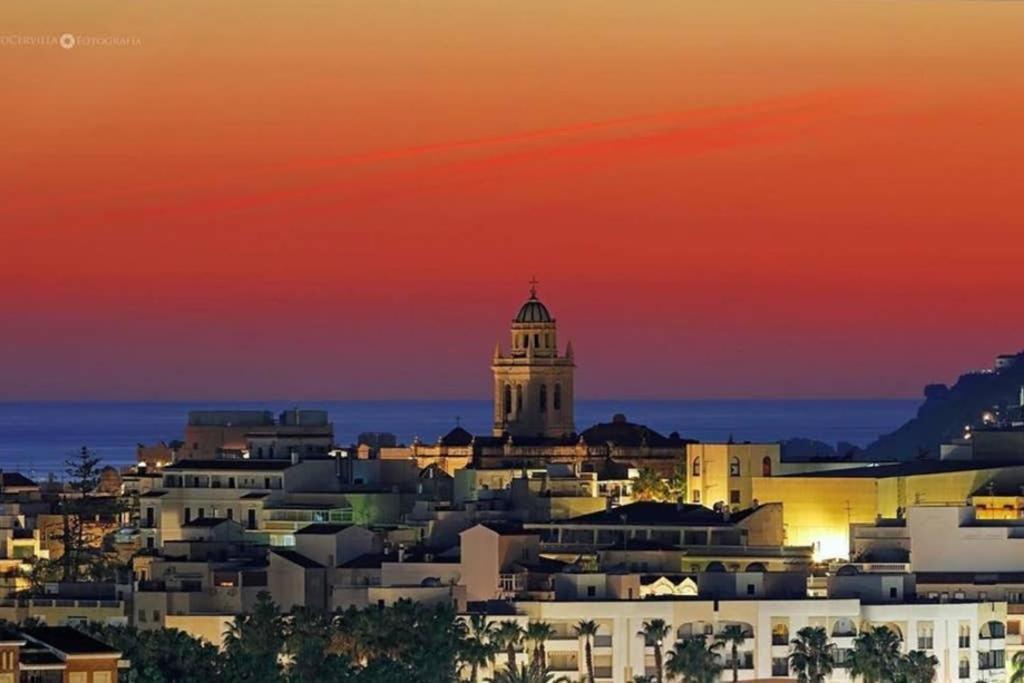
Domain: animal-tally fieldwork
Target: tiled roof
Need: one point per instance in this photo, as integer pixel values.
(297, 559)
(69, 641)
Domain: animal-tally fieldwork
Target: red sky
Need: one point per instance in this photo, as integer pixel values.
(346, 200)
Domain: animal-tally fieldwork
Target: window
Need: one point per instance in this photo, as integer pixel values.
(188, 515)
(780, 632)
(142, 616)
(993, 659)
(696, 496)
(925, 635)
(1013, 628)
(543, 398)
(508, 399)
(964, 639)
(780, 667)
(893, 593)
(150, 518)
(734, 467)
(251, 522)
(695, 467)
(231, 513)
(536, 341)
(734, 497)
(558, 397)
(519, 398)
(766, 467)
(591, 591)
(150, 542)
(156, 615)
(964, 669)
(202, 513)
(751, 589)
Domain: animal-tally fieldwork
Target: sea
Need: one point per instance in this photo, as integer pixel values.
(36, 437)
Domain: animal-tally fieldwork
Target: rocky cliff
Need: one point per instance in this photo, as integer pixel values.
(946, 410)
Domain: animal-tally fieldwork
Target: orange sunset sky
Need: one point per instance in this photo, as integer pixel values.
(293, 199)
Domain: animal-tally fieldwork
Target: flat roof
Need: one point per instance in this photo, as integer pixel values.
(230, 465)
(70, 641)
(905, 469)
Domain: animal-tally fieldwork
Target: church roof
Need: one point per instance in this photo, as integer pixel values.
(457, 437)
(533, 311)
(628, 434)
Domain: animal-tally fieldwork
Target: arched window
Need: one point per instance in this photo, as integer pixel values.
(766, 467)
(508, 399)
(526, 341)
(695, 468)
(536, 341)
(558, 397)
(734, 467)
(519, 398)
(543, 398)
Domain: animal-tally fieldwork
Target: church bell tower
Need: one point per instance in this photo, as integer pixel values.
(533, 383)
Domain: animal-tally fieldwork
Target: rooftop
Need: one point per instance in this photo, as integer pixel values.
(905, 469)
(648, 513)
(229, 465)
(69, 641)
(322, 529)
(297, 559)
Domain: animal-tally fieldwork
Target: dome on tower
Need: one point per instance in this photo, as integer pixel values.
(533, 311)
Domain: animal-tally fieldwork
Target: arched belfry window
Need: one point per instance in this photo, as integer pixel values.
(543, 398)
(519, 398)
(508, 399)
(766, 467)
(526, 341)
(558, 397)
(734, 467)
(695, 468)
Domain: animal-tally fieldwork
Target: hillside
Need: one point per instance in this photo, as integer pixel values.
(946, 410)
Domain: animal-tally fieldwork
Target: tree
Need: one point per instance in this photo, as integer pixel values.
(162, 655)
(649, 485)
(694, 661)
(538, 633)
(79, 506)
(587, 630)
(307, 638)
(510, 635)
(1018, 667)
(917, 667)
(813, 657)
(478, 648)
(733, 636)
(253, 642)
(525, 674)
(876, 655)
(654, 633)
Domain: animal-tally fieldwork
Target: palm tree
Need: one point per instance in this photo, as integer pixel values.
(813, 657)
(654, 633)
(1018, 667)
(876, 655)
(733, 636)
(509, 635)
(918, 667)
(478, 649)
(525, 674)
(538, 633)
(587, 630)
(693, 660)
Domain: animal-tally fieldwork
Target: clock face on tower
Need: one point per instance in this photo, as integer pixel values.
(533, 393)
